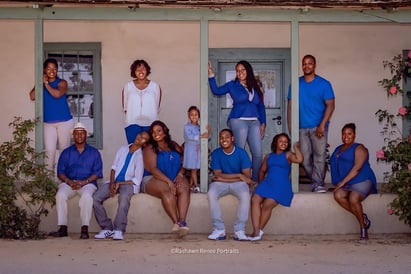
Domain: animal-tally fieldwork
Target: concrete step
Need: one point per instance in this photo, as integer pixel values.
(310, 213)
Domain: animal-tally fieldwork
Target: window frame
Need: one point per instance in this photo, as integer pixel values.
(95, 47)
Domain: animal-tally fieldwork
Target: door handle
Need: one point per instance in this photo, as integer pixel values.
(278, 118)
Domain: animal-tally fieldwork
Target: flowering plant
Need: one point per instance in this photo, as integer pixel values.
(397, 149)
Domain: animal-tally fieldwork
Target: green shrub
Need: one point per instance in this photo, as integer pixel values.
(26, 185)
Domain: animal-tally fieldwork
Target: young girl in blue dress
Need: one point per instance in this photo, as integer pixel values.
(275, 184)
(192, 145)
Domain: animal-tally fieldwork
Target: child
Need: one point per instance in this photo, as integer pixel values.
(275, 188)
(192, 145)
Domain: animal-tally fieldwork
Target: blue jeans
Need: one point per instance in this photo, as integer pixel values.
(133, 130)
(124, 197)
(239, 190)
(314, 150)
(249, 131)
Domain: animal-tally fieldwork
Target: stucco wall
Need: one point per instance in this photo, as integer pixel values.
(349, 55)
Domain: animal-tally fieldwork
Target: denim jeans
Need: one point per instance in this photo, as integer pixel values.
(314, 151)
(124, 197)
(239, 190)
(249, 131)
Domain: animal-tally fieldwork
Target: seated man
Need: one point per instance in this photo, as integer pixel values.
(125, 178)
(78, 168)
(231, 167)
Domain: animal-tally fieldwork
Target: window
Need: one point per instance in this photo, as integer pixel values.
(79, 65)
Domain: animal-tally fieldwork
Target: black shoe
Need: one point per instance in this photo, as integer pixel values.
(84, 232)
(62, 232)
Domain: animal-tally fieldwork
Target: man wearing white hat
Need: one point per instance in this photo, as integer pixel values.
(78, 168)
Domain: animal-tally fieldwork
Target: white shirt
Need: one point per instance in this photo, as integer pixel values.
(141, 106)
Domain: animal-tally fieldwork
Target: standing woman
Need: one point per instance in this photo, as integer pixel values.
(247, 118)
(141, 99)
(353, 177)
(58, 120)
(164, 177)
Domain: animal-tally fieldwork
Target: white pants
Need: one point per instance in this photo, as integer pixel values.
(65, 192)
(53, 133)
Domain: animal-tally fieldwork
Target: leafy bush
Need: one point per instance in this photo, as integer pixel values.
(23, 177)
(397, 149)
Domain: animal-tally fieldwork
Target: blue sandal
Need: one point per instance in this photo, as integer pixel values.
(367, 222)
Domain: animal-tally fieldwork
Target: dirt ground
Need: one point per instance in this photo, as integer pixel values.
(163, 253)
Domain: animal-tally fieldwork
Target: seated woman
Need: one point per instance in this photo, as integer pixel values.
(164, 176)
(353, 177)
(275, 185)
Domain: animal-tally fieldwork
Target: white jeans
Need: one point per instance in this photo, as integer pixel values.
(65, 192)
(53, 133)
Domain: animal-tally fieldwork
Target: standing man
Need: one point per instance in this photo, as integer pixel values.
(125, 178)
(231, 175)
(78, 168)
(317, 103)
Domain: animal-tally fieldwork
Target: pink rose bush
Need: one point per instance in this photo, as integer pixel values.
(397, 148)
(403, 111)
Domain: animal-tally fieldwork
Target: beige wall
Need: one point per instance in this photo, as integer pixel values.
(349, 55)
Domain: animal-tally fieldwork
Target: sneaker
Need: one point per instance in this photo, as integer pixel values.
(175, 228)
(217, 234)
(258, 237)
(240, 236)
(182, 229)
(320, 189)
(118, 235)
(103, 234)
(196, 189)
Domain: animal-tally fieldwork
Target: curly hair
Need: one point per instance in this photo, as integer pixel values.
(138, 63)
(169, 141)
(275, 140)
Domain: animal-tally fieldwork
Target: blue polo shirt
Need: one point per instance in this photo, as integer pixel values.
(80, 166)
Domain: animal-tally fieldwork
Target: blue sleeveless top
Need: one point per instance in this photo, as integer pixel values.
(342, 163)
(169, 163)
(55, 109)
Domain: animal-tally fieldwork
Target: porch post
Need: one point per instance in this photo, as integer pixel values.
(38, 69)
(204, 102)
(294, 94)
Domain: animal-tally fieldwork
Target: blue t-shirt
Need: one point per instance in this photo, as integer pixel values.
(312, 97)
(230, 164)
(80, 166)
(55, 109)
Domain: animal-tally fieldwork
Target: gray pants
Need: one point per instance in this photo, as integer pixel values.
(314, 150)
(124, 197)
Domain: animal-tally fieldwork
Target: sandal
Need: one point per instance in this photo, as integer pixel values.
(367, 222)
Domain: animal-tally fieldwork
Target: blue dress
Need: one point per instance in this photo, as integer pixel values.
(277, 184)
(192, 155)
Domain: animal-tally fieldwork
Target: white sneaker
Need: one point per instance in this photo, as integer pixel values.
(103, 234)
(118, 235)
(258, 237)
(217, 235)
(240, 236)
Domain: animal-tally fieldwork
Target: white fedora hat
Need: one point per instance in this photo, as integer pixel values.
(79, 126)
